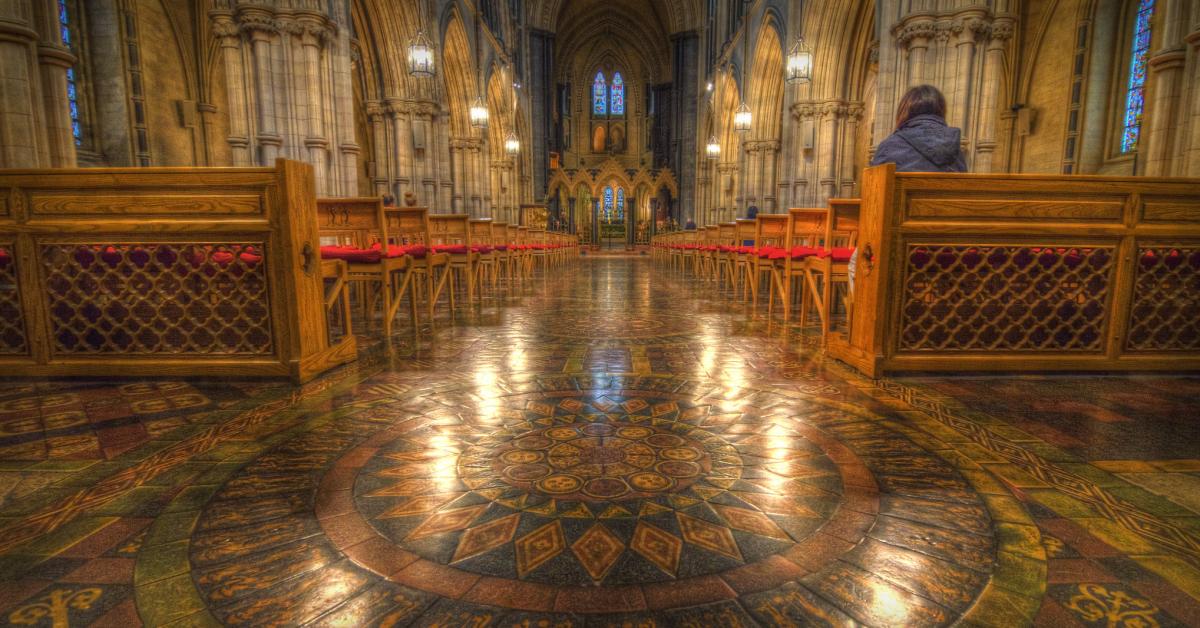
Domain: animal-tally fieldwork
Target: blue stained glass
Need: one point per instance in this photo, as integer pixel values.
(617, 105)
(1135, 98)
(64, 22)
(608, 204)
(621, 205)
(599, 95)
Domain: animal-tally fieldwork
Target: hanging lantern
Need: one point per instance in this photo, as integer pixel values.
(479, 114)
(512, 145)
(799, 63)
(741, 118)
(713, 149)
(420, 56)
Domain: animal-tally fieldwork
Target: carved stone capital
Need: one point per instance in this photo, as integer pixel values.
(374, 110)
(1001, 30)
(916, 34)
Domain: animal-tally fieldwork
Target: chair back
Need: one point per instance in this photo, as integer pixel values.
(843, 228)
(481, 231)
(807, 226)
(407, 225)
(743, 231)
(356, 222)
(450, 229)
(771, 230)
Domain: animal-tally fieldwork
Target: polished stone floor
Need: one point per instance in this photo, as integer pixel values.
(606, 445)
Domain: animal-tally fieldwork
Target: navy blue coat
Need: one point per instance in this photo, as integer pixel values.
(923, 144)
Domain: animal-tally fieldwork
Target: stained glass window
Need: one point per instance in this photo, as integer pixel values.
(64, 23)
(617, 104)
(1135, 98)
(608, 204)
(599, 96)
(620, 204)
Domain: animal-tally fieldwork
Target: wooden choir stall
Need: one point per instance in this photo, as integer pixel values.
(167, 271)
(967, 272)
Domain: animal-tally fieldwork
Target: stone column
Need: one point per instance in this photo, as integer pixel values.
(827, 151)
(964, 43)
(918, 35)
(20, 109)
(1192, 158)
(379, 180)
(458, 158)
(993, 64)
(426, 172)
(260, 27)
(235, 87)
(850, 170)
(1166, 72)
(770, 155)
(54, 59)
(402, 144)
(727, 175)
(312, 35)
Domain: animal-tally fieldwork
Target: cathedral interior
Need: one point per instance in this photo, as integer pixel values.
(631, 313)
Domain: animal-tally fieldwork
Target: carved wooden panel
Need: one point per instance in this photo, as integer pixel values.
(4, 211)
(89, 202)
(991, 208)
(1170, 209)
(1005, 298)
(1165, 313)
(157, 298)
(13, 336)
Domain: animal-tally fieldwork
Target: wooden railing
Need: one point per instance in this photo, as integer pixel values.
(1024, 273)
(165, 271)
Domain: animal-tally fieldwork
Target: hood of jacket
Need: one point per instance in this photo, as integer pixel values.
(932, 138)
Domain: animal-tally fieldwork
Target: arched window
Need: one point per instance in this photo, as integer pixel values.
(620, 204)
(617, 104)
(64, 23)
(599, 96)
(1135, 97)
(608, 205)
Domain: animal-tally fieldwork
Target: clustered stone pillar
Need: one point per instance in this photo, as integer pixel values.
(1192, 161)
(35, 122)
(953, 65)
(1166, 73)
(287, 73)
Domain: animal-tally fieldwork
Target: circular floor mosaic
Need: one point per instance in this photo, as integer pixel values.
(659, 494)
(604, 489)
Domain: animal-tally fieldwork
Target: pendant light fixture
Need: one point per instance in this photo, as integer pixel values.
(420, 51)
(713, 149)
(799, 59)
(742, 118)
(479, 110)
(512, 145)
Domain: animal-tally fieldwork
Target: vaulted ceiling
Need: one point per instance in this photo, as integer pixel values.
(631, 34)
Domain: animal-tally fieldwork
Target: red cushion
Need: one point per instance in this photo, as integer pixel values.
(5, 259)
(248, 257)
(725, 248)
(501, 247)
(453, 249)
(747, 250)
(351, 254)
(769, 252)
(839, 254)
(803, 252)
(481, 248)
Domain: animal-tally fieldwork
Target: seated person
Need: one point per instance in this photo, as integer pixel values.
(922, 141)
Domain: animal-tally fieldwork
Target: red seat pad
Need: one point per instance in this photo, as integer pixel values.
(224, 258)
(501, 247)
(400, 250)
(804, 252)
(747, 250)
(725, 248)
(481, 248)
(838, 253)
(453, 249)
(769, 252)
(351, 254)
(5, 259)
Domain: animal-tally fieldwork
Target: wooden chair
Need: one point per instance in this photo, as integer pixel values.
(770, 231)
(427, 273)
(805, 233)
(743, 236)
(824, 272)
(352, 230)
(451, 235)
(726, 254)
(488, 261)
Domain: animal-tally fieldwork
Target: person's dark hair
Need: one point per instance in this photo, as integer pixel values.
(921, 100)
(752, 213)
(389, 200)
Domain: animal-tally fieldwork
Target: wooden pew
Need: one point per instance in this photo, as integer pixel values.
(770, 232)
(489, 258)
(975, 272)
(165, 272)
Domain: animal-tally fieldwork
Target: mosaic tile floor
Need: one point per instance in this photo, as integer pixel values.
(613, 445)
